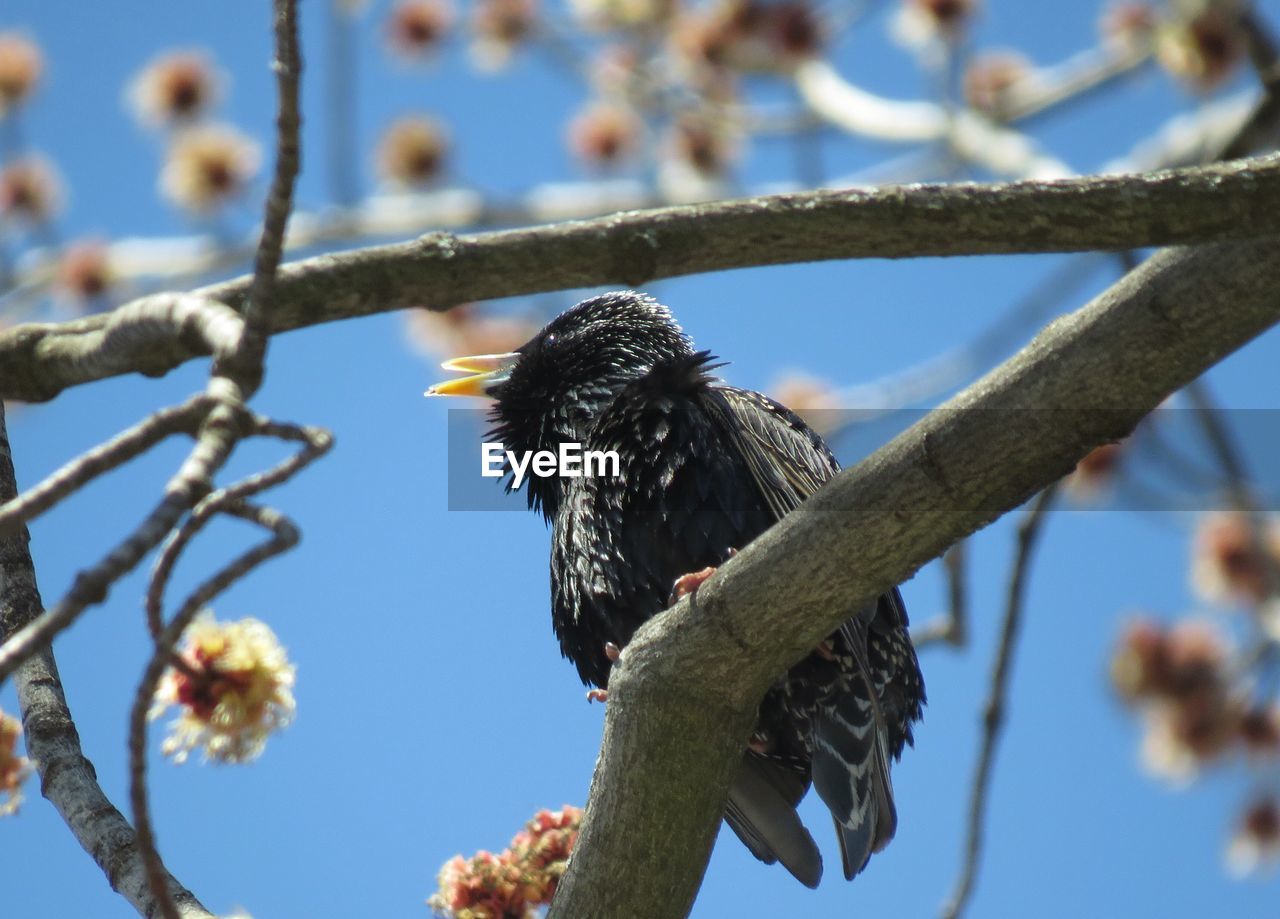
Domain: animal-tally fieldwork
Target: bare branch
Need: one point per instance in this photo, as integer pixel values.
(148, 432)
(148, 336)
(993, 711)
(682, 698)
(284, 537)
(974, 136)
(951, 628)
(151, 325)
(316, 443)
(217, 437)
(262, 290)
(1233, 201)
(68, 779)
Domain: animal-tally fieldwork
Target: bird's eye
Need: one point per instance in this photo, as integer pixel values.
(549, 340)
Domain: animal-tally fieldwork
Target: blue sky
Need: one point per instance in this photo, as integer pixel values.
(435, 714)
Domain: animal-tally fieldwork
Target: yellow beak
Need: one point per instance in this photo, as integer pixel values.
(487, 371)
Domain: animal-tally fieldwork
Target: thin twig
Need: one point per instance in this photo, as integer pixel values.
(316, 443)
(953, 627)
(218, 436)
(284, 537)
(287, 64)
(68, 779)
(993, 713)
(1239, 490)
(117, 451)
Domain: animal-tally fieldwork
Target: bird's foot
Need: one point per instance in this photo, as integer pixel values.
(760, 742)
(689, 583)
(825, 650)
(614, 653)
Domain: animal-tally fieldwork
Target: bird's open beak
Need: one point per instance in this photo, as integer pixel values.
(487, 371)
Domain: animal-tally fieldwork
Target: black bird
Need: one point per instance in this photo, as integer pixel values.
(704, 469)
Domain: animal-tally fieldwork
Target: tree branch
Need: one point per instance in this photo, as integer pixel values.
(1231, 201)
(67, 778)
(682, 697)
(993, 712)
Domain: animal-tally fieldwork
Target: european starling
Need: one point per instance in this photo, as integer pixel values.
(704, 468)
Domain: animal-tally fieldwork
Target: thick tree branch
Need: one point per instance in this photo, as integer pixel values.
(1231, 201)
(682, 697)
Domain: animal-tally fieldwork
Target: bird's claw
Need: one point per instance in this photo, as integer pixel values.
(614, 653)
(688, 584)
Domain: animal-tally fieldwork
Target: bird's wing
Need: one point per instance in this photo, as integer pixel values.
(789, 462)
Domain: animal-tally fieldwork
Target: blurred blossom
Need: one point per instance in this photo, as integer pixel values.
(1227, 564)
(1260, 731)
(987, 83)
(542, 850)
(605, 134)
(20, 69)
(234, 688)
(175, 88)
(465, 330)
(622, 14)
(1140, 664)
(1255, 845)
(750, 35)
(499, 27)
(412, 152)
(1204, 50)
(1185, 662)
(14, 768)
(30, 190)
(1196, 661)
(812, 399)
(792, 31)
(615, 69)
(1126, 27)
(1185, 737)
(922, 22)
(706, 144)
(710, 38)
(416, 28)
(207, 166)
(511, 884)
(84, 271)
(1095, 472)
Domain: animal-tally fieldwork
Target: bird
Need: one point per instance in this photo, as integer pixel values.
(703, 469)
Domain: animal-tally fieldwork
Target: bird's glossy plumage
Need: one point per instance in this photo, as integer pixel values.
(705, 468)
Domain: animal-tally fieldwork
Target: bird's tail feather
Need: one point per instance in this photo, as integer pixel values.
(851, 774)
(762, 812)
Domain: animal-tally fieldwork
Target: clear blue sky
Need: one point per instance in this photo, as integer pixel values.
(435, 714)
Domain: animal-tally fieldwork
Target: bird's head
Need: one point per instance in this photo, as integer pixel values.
(550, 389)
